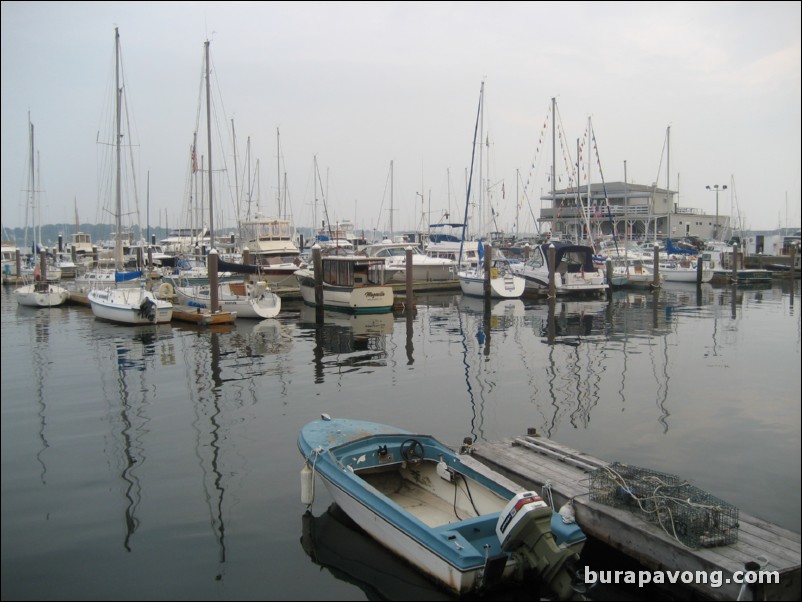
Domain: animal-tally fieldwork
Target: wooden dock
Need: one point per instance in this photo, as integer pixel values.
(533, 461)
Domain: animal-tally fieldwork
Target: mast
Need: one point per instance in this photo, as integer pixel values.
(392, 231)
(553, 149)
(470, 177)
(278, 170)
(118, 246)
(33, 193)
(236, 180)
(209, 143)
(668, 182)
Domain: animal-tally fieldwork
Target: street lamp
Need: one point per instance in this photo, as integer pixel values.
(716, 187)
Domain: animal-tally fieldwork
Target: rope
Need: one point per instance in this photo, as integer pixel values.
(316, 453)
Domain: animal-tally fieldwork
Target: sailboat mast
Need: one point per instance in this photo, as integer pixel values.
(668, 181)
(118, 246)
(209, 143)
(236, 180)
(278, 171)
(33, 193)
(470, 177)
(553, 149)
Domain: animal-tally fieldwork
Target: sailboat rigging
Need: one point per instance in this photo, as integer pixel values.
(503, 282)
(125, 305)
(40, 292)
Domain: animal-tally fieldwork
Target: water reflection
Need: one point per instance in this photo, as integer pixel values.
(346, 342)
(41, 372)
(205, 381)
(134, 350)
(334, 542)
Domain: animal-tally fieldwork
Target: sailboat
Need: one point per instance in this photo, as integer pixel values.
(247, 299)
(40, 292)
(504, 284)
(125, 305)
(679, 265)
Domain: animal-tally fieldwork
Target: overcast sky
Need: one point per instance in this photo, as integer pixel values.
(358, 85)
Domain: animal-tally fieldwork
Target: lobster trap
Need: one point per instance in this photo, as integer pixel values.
(685, 512)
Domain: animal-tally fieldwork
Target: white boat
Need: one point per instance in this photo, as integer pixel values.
(681, 271)
(504, 283)
(463, 525)
(270, 246)
(633, 273)
(424, 267)
(185, 240)
(349, 283)
(473, 280)
(251, 300)
(39, 289)
(129, 305)
(41, 294)
(576, 274)
(125, 305)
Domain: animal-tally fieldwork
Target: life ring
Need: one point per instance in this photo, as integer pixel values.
(166, 291)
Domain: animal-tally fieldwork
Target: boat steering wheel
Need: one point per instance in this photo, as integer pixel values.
(412, 451)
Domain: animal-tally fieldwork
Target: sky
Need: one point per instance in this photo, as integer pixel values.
(324, 97)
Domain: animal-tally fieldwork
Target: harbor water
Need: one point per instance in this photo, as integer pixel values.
(161, 462)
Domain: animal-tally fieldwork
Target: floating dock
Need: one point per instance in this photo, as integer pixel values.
(533, 462)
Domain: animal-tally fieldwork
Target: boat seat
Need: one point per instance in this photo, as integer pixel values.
(472, 523)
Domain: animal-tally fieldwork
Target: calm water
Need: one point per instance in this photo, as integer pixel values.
(161, 462)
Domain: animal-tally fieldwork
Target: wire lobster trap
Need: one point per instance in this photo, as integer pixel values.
(687, 513)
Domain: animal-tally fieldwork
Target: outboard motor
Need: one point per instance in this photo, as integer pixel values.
(147, 309)
(524, 530)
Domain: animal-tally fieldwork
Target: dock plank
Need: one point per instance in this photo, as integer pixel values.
(534, 462)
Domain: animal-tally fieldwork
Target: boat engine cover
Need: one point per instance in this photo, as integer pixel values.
(523, 513)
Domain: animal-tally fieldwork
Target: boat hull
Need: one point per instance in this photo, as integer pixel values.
(507, 286)
(38, 295)
(398, 541)
(125, 306)
(363, 299)
(254, 304)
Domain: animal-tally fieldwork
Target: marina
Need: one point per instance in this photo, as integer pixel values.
(169, 451)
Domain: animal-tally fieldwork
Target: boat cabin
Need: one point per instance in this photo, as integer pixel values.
(353, 271)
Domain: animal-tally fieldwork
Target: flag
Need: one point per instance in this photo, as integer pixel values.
(502, 190)
(194, 161)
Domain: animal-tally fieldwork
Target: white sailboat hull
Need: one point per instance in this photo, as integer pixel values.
(507, 286)
(250, 301)
(129, 306)
(41, 295)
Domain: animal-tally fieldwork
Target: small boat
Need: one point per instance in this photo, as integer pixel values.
(129, 305)
(253, 300)
(41, 294)
(350, 283)
(504, 282)
(682, 271)
(463, 525)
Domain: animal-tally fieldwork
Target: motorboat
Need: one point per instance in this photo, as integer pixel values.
(575, 272)
(465, 526)
(349, 283)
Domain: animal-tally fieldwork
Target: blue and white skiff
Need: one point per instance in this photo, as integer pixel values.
(464, 526)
